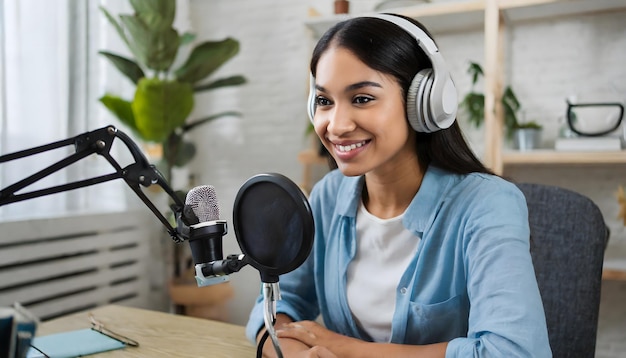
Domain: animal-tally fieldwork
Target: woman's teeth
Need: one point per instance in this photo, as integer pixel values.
(347, 148)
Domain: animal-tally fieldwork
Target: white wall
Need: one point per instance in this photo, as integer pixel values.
(552, 61)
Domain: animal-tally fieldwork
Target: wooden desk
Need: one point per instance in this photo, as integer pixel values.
(160, 334)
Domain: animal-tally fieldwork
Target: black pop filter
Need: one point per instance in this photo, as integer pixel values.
(273, 224)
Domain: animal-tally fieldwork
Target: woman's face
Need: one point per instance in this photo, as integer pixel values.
(360, 115)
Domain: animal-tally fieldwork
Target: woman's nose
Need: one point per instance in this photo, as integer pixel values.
(341, 120)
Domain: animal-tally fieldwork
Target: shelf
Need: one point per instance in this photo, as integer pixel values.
(470, 14)
(437, 17)
(613, 275)
(525, 10)
(614, 267)
(554, 157)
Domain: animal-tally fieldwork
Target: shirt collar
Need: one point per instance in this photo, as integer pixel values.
(349, 195)
(422, 209)
(431, 195)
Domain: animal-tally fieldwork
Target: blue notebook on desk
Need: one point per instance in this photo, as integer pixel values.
(72, 344)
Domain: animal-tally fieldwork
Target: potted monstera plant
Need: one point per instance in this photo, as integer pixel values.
(525, 134)
(159, 110)
(164, 96)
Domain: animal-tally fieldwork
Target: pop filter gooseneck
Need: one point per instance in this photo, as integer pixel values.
(273, 224)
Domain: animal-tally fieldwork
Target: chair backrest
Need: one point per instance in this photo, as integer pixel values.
(568, 239)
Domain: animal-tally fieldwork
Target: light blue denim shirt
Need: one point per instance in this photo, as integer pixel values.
(471, 282)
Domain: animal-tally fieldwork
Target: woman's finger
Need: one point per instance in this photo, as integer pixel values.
(322, 352)
(298, 332)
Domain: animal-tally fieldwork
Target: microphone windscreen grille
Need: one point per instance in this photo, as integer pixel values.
(203, 202)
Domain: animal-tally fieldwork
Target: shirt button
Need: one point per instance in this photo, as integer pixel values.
(403, 290)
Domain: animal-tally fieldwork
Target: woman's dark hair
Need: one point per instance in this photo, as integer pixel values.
(385, 47)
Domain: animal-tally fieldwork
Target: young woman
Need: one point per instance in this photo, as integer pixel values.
(420, 251)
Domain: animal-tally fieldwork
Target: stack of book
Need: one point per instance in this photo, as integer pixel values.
(17, 329)
(588, 144)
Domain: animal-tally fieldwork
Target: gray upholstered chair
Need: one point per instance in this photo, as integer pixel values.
(568, 239)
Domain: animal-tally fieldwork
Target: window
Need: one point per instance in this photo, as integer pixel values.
(51, 77)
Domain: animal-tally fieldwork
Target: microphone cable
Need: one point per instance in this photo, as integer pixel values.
(259, 348)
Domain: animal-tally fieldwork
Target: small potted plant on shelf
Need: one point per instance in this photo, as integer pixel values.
(525, 134)
(160, 108)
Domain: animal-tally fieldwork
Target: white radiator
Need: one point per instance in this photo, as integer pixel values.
(63, 265)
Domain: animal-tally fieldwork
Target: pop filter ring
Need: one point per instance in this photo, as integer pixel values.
(266, 207)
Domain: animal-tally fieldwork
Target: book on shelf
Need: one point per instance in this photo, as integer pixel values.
(588, 144)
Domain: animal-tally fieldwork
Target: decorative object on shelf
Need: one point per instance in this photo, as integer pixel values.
(396, 4)
(594, 119)
(164, 97)
(525, 134)
(526, 138)
(342, 6)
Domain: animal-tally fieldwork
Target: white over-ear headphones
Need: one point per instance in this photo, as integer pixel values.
(431, 102)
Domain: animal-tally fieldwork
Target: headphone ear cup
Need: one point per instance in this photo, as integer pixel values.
(311, 99)
(415, 111)
(430, 120)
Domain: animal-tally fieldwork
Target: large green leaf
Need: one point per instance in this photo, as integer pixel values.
(222, 82)
(161, 106)
(206, 58)
(155, 49)
(126, 66)
(119, 29)
(158, 15)
(121, 108)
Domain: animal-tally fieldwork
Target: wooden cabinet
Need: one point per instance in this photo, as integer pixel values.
(494, 17)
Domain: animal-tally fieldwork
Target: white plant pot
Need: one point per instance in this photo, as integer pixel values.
(526, 138)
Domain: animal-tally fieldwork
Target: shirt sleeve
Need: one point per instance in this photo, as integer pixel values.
(506, 312)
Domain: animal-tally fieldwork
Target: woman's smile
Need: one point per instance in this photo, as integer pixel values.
(347, 151)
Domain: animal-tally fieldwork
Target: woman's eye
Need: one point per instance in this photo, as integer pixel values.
(362, 99)
(322, 101)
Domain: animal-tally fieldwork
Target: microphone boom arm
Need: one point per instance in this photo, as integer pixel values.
(141, 172)
(99, 141)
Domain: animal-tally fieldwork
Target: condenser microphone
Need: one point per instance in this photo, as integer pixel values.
(206, 230)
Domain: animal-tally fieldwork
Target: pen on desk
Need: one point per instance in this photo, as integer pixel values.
(99, 327)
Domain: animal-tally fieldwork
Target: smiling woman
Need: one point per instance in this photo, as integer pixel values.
(419, 249)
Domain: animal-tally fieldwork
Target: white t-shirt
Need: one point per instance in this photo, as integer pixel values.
(384, 250)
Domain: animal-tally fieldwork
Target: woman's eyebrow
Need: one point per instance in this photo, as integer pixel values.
(354, 86)
(358, 85)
